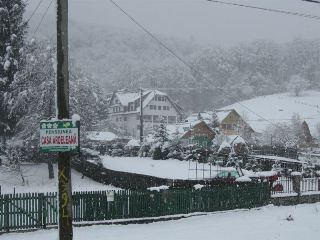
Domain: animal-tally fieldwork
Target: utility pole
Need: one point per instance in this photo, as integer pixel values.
(141, 116)
(62, 98)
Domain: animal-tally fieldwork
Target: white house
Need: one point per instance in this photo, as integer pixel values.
(124, 110)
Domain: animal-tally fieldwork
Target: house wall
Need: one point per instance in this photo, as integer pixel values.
(233, 124)
(153, 112)
(200, 134)
(158, 109)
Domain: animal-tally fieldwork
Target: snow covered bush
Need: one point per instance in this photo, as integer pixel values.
(308, 170)
(253, 165)
(276, 167)
(280, 134)
(175, 150)
(132, 148)
(224, 149)
(144, 150)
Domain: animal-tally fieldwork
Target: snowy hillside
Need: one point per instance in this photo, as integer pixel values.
(264, 110)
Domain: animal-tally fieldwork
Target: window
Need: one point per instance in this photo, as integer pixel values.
(229, 126)
(138, 127)
(147, 118)
(124, 118)
(117, 119)
(159, 107)
(155, 118)
(172, 119)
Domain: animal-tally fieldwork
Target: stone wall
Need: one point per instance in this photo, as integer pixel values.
(294, 200)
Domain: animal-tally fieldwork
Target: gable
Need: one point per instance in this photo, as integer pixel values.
(232, 117)
(200, 129)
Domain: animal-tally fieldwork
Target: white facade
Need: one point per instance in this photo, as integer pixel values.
(124, 111)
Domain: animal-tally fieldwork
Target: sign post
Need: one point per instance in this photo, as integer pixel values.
(62, 103)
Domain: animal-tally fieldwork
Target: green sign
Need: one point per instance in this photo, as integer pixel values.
(59, 136)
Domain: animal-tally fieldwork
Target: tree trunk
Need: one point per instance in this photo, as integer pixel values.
(50, 169)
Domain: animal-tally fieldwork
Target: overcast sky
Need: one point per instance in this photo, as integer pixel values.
(204, 21)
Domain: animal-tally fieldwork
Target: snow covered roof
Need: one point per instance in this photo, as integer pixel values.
(207, 115)
(223, 145)
(133, 143)
(231, 140)
(234, 139)
(101, 136)
(179, 129)
(126, 97)
(276, 158)
(222, 114)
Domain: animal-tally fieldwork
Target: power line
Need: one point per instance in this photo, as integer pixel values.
(297, 14)
(191, 68)
(312, 1)
(279, 119)
(149, 33)
(34, 11)
(42, 18)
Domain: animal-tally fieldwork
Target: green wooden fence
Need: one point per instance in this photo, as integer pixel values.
(32, 210)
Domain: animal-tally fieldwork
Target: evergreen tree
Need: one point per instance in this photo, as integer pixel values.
(12, 31)
(161, 134)
(214, 120)
(296, 126)
(306, 133)
(160, 147)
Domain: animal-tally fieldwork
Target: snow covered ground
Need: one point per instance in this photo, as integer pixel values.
(36, 180)
(172, 168)
(266, 223)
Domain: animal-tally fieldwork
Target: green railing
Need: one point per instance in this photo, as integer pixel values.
(31, 210)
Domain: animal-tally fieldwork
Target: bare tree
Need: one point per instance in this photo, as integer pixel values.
(297, 84)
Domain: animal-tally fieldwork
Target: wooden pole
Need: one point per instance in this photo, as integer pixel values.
(141, 116)
(62, 98)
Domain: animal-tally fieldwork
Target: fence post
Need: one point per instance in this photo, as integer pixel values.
(40, 213)
(296, 180)
(43, 210)
(6, 213)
